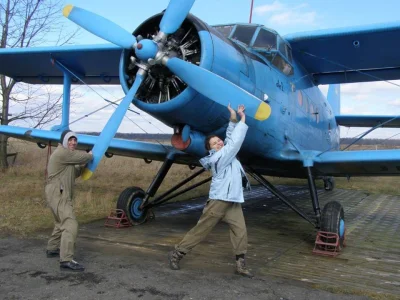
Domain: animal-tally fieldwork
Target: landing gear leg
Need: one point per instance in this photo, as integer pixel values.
(332, 217)
(151, 191)
(314, 197)
(135, 202)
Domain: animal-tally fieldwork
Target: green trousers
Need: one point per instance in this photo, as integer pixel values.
(215, 211)
(65, 224)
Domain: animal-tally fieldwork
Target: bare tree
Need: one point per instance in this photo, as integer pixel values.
(27, 23)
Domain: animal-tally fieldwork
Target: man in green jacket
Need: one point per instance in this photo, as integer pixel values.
(64, 166)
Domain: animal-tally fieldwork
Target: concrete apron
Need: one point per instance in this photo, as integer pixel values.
(280, 242)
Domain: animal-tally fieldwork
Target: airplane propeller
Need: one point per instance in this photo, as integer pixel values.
(151, 52)
(111, 128)
(175, 14)
(217, 88)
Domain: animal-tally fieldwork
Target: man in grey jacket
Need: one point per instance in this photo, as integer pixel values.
(225, 197)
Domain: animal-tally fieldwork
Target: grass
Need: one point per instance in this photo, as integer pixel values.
(23, 209)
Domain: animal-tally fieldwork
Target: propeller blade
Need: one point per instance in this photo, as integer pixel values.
(175, 14)
(218, 89)
(111, 128)
(99, 26)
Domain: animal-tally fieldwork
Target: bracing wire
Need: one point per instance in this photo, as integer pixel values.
(110, 103)
(359, 136)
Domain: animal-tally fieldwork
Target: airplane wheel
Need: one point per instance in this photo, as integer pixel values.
(129, 201)
(329, 183)
(332, 220)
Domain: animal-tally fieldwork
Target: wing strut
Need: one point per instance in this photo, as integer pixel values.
(269, 186)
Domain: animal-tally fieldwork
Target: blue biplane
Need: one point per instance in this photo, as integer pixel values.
(184, 72)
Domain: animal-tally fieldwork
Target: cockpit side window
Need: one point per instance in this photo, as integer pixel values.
(282, 46)
(265, 39)
(244, 34)
(282, 65)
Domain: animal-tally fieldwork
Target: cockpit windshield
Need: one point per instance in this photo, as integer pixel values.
(225, 29)
(244, 34)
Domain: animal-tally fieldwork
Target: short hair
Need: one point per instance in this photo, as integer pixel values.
(207, 141)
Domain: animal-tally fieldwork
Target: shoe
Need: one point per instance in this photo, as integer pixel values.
(71, 266)
(174, 257)
(53, 253)
(241, 268)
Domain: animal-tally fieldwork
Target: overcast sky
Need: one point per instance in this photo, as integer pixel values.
(285, 16)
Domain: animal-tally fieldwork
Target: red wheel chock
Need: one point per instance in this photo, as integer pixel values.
(117, 219)
(327, 243)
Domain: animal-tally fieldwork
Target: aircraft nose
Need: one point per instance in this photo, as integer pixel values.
(146, 49)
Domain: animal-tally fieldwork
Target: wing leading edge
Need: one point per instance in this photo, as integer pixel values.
(121, 147)
(346, 55)
(368, 121)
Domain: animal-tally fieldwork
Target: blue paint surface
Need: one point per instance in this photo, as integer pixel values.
(303, 127)
(341, 228)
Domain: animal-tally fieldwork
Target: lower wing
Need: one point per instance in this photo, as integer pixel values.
(359, 163)
(146, 150)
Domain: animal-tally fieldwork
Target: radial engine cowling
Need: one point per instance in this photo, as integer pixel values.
(161, 85)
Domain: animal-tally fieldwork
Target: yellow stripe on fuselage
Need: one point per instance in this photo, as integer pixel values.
(263, 112)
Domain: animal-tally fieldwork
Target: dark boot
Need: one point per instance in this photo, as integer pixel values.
(241, 268)
(53, 253)
(71, 266)
(174, 257)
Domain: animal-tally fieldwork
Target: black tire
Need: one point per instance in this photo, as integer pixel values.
(332, 220)
(329, 183)
(129, 201)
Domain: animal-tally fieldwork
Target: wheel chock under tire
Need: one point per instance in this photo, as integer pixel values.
(327, 243)
(117, 219)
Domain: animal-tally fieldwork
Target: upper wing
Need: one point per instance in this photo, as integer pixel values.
(121, 147)
(359, 163)
(345, 55)
(96, 64)
(368, 121)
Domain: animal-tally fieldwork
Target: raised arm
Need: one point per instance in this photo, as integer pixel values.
(234, 141)
(232, 123)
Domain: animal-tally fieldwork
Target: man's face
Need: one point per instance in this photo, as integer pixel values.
(72, 143)
(216, 143)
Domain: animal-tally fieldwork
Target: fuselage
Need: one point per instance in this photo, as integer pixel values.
(259, 61)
